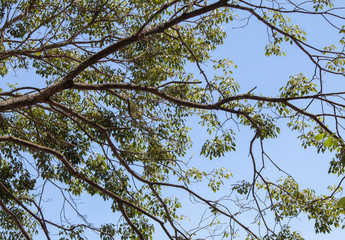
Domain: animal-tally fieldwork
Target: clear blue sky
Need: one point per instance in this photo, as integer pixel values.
(246, 48)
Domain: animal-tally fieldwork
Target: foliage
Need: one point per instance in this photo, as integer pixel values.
(118, 87)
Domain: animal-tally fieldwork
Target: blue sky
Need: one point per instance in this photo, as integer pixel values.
(246, 48)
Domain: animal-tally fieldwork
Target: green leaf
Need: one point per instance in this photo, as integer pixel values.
(341, 203)
(319, 136)
(329, 142)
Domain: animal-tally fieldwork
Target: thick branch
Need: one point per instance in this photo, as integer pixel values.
(67, 81)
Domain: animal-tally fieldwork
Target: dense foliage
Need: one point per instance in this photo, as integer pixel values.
(111, 93)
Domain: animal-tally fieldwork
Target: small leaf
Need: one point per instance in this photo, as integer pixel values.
(319, 136)
(341, 203)
(329, 142)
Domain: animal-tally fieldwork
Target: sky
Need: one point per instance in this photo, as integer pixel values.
(246, 48)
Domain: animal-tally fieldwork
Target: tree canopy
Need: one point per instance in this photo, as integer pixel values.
(115, 89)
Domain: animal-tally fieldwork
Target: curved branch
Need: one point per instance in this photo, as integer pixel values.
(67, 81)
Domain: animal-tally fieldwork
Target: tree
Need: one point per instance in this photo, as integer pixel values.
(111, 117)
